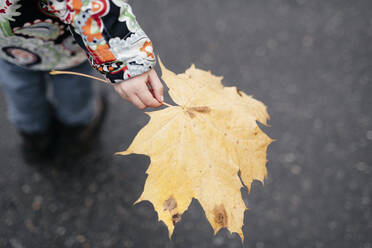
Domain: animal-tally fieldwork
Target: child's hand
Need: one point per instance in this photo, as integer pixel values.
(136, 90)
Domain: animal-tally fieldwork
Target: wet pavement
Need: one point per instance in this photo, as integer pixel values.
(310, 62)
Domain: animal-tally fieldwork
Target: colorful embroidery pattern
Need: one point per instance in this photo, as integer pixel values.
(147, 48)
(126, 15)
(88, 23)
(106, 29)
(8, 10)
(45, 30)
(37, 54)
(63, 9)
(118, 58)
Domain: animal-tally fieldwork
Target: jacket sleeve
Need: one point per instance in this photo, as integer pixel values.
(109, 33)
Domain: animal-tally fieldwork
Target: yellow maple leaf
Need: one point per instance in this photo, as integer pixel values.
(198, 148)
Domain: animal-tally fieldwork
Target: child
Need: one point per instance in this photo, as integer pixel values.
(37, 36)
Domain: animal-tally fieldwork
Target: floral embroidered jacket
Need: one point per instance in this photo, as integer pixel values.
(48, 34)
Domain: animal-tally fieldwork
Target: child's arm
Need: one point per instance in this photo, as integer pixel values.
(116, 46)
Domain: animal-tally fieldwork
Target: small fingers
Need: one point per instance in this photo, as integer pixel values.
(137, 91)
(147, 98)
(137, 102)
(157, 86)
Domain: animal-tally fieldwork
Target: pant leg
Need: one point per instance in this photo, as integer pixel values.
(74, 96)
(25, 92)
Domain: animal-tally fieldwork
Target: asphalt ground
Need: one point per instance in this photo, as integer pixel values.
(308, 61)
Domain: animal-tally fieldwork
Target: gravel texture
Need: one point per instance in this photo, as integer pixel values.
(309, 61)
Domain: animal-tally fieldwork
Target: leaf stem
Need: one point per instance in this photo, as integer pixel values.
(167, 104)
(53, 72)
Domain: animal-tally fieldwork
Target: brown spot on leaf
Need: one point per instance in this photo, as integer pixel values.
(220, 215)
(203, 109)
(176, 218)
(170, 204)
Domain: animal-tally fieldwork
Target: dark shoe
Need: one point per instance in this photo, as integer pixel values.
(78, 140)
(37, 147)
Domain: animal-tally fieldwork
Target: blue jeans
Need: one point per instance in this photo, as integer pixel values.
(29, 107)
